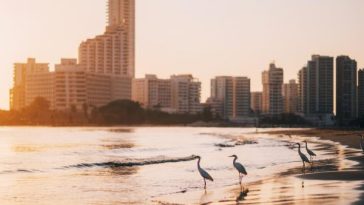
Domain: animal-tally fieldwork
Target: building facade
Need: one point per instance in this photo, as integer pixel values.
(361, 93)
(272, 80)
(179, 94)
(152, 93)
(103, 74)
(290, 96)
(185, 94)
(113, 53)
(256, 102)
(121, 16)
(316, 83)
(234, 95)
(69, 86)
(346, 89)
(30, 80)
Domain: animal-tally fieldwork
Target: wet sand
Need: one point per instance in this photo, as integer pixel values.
(349, 138)
(336, 181)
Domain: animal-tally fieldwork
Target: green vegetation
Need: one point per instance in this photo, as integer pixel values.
(120, 112)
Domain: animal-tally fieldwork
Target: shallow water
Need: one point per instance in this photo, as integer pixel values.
(139, 165)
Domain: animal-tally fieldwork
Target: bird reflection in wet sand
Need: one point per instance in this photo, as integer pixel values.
(203, 173)
(242, 195)
(362, 142)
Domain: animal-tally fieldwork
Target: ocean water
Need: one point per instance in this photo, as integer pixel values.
(136, 165)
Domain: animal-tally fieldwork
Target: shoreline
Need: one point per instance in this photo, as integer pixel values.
(328, 183)
(348, 138)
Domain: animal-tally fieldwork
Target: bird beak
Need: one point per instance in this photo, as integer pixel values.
(231, 156)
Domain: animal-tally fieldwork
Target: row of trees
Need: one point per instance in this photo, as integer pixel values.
(126, 112)
(120, 112)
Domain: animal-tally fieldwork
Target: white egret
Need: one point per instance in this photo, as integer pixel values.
(241, 169)
(303, 157)
(311, 153)
(203, 173)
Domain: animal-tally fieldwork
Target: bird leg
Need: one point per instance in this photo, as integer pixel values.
(205, 183)
(240, 181)
(303, 167)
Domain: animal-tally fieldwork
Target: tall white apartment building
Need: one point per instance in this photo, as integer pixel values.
(290, 95)
(114, 51)
(179, 94)
(316, 86)
(152, 92)
(185, 94)
(121, 14)
(234, 94)
(272, 90)
(31, 80)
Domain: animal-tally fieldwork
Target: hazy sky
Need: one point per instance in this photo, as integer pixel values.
(203, 37)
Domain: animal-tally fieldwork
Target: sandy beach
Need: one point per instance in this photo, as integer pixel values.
(335, 181)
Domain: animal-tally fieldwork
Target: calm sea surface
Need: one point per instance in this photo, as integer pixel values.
(132, 165)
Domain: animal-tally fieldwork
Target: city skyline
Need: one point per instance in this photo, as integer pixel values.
(231, 62)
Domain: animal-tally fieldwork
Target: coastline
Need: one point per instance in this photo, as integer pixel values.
(348, 138)
(329, 183)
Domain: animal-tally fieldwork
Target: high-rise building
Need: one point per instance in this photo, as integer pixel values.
(152, 93)
(256, 102)
(290, 96)
(234, 94)
(272, 90)
(74, 87)
(31, 80)
(316, 82)
(69, 85)
(346, 89)
(302, 81)
(186, 94)
(361, 93)
(104, 73)
(113, 53)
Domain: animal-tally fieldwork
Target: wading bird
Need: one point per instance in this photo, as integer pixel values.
(311, 153)
(303, 157)
(241, 169)
(362, 142)
(203, 173)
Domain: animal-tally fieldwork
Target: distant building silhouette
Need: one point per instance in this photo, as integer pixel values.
(256, 102)
(316, 86)
(361, 93)
(234, 95)
(290, 95)
(272, 80)
(346, 89)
